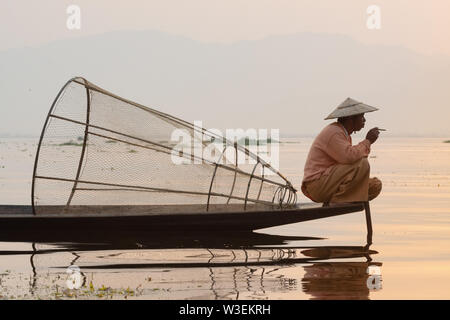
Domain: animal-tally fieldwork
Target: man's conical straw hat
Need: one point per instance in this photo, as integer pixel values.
(350, 107)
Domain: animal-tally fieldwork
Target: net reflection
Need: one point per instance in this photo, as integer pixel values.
(224, 266)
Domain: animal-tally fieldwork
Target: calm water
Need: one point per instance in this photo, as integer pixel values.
(409, 257)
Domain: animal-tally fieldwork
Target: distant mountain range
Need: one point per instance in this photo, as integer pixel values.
(287, 82)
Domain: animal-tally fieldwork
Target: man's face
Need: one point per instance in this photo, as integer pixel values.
(358, 122)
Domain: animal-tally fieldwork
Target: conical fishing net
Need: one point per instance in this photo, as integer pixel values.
(100, 153)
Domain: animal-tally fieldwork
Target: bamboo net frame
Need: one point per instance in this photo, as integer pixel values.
(87, 156)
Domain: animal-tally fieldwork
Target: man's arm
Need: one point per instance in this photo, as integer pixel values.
(341, 150)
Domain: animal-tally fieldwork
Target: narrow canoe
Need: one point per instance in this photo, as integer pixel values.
(19, 219)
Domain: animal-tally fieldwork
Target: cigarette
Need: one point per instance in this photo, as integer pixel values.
(379, 129)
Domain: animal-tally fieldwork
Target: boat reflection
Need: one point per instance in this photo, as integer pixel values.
(224, 266)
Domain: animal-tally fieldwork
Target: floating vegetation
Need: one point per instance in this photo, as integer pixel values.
(91, 292)
(447, 141)
(107, 292)
(71, 143)
(87, 291)
(132, 151)
(111, 141)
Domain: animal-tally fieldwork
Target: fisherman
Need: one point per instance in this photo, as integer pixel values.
(335, 170)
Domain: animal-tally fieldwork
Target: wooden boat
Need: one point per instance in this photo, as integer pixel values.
(16, 220)
(117, 172)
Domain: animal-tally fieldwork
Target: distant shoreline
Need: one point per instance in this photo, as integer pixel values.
(445, 139)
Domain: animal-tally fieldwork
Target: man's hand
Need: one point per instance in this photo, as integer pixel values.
(372, 135)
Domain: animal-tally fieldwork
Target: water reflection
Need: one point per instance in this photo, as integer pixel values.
(199, 266)
(339, 280)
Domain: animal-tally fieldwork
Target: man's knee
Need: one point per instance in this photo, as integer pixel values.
(363, 169)
(364, 163)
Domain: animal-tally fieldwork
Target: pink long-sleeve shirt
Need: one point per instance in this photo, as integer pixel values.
(333, 145)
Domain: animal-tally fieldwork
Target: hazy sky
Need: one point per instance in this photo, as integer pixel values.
(423, 26)
(323, 52)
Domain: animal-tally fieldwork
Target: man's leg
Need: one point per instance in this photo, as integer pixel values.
(344, 183)
(355, 186)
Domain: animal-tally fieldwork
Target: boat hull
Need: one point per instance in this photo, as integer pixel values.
(19, 222)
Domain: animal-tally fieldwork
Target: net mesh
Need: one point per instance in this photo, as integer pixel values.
(99, 151)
